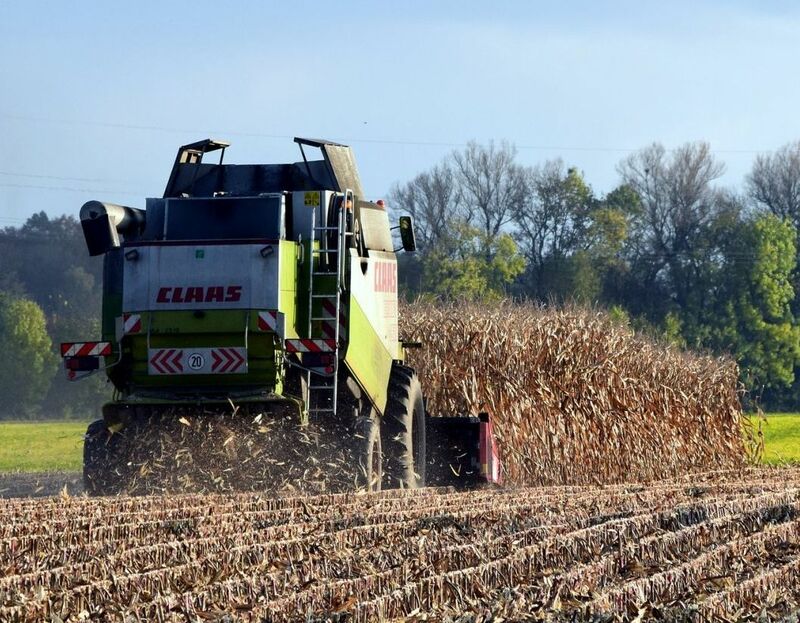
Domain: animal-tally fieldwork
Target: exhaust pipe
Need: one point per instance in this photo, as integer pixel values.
(102, 224)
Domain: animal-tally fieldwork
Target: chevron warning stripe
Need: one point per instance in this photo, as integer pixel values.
(85, 349)
(311, 346)
(167, 361)
(226, 360)
(202, 360)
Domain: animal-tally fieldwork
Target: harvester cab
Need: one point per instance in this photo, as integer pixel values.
(254, 294)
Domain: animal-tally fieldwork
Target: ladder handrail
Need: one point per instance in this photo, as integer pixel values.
(341, 266)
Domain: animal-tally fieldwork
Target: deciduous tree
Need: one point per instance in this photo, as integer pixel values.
(774, 182)
(431, 200)
(668, 242)
(28, 362)
(491, 185)
(752, 316)
(460, 267)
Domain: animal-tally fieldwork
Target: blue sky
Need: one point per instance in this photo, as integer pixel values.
(95, 97)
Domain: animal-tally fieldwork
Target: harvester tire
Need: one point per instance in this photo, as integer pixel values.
(369, 452)
(404, 430)
(98, 454)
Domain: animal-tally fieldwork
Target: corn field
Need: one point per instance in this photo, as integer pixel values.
(575, 397)
(714, 546)
(582, 408)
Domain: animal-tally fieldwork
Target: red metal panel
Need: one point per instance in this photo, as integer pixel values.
(488, 454)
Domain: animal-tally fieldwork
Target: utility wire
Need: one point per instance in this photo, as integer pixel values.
(411, 143)
(153, 128)
(68, 189)
(57, 177)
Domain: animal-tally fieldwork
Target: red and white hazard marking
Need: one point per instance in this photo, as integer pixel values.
(167, 361)
(218, 360)
(328, 326)
(131, 323)
(268, 320)
(227, 360)
(86, 349)
(310, 346)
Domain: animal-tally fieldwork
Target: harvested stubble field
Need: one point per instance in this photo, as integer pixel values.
(719, 546)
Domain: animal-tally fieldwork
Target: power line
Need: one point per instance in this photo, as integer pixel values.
(408, 143)
(68, 189)
(60, 178)
(150, 128)
(29, 238)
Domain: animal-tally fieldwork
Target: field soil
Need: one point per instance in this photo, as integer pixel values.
(716, 546)
(40, 484)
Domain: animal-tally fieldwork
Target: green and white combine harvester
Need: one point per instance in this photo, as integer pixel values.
(267, 294)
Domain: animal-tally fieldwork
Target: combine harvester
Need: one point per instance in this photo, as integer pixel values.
(263, 295)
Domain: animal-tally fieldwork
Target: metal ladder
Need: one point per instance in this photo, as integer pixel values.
(322, 386)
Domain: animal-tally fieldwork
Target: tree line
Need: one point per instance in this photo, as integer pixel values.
(669, 251)
(50, 292)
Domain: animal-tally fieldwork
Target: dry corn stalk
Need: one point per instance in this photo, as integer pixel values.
(577, 398)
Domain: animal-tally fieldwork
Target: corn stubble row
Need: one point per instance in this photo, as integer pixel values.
(715, 546)
(576, 397)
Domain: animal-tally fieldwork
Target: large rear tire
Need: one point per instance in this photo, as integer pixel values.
(404, 430)
(369, 452)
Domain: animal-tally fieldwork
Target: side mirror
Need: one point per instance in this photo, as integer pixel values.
(407, 234)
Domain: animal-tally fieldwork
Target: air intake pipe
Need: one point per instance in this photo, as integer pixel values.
(102, 224)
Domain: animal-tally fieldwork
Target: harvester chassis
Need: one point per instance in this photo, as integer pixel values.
(250, 331)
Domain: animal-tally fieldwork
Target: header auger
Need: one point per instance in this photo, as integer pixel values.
(250, 333)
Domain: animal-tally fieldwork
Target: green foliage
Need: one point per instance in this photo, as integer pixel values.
(606, 232)
(468, 263)
(619, 316)
(673, 330)
(755, 319)
(584, 278)
(28, 363)
(48, 258)
(46, 261)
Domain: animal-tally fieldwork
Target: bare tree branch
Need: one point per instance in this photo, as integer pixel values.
(774, 182)
(491, 185)
(430, 198)
(679, 202)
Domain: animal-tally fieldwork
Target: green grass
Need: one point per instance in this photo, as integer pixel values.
(41, 446)
(781, 438)
(46, 446)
